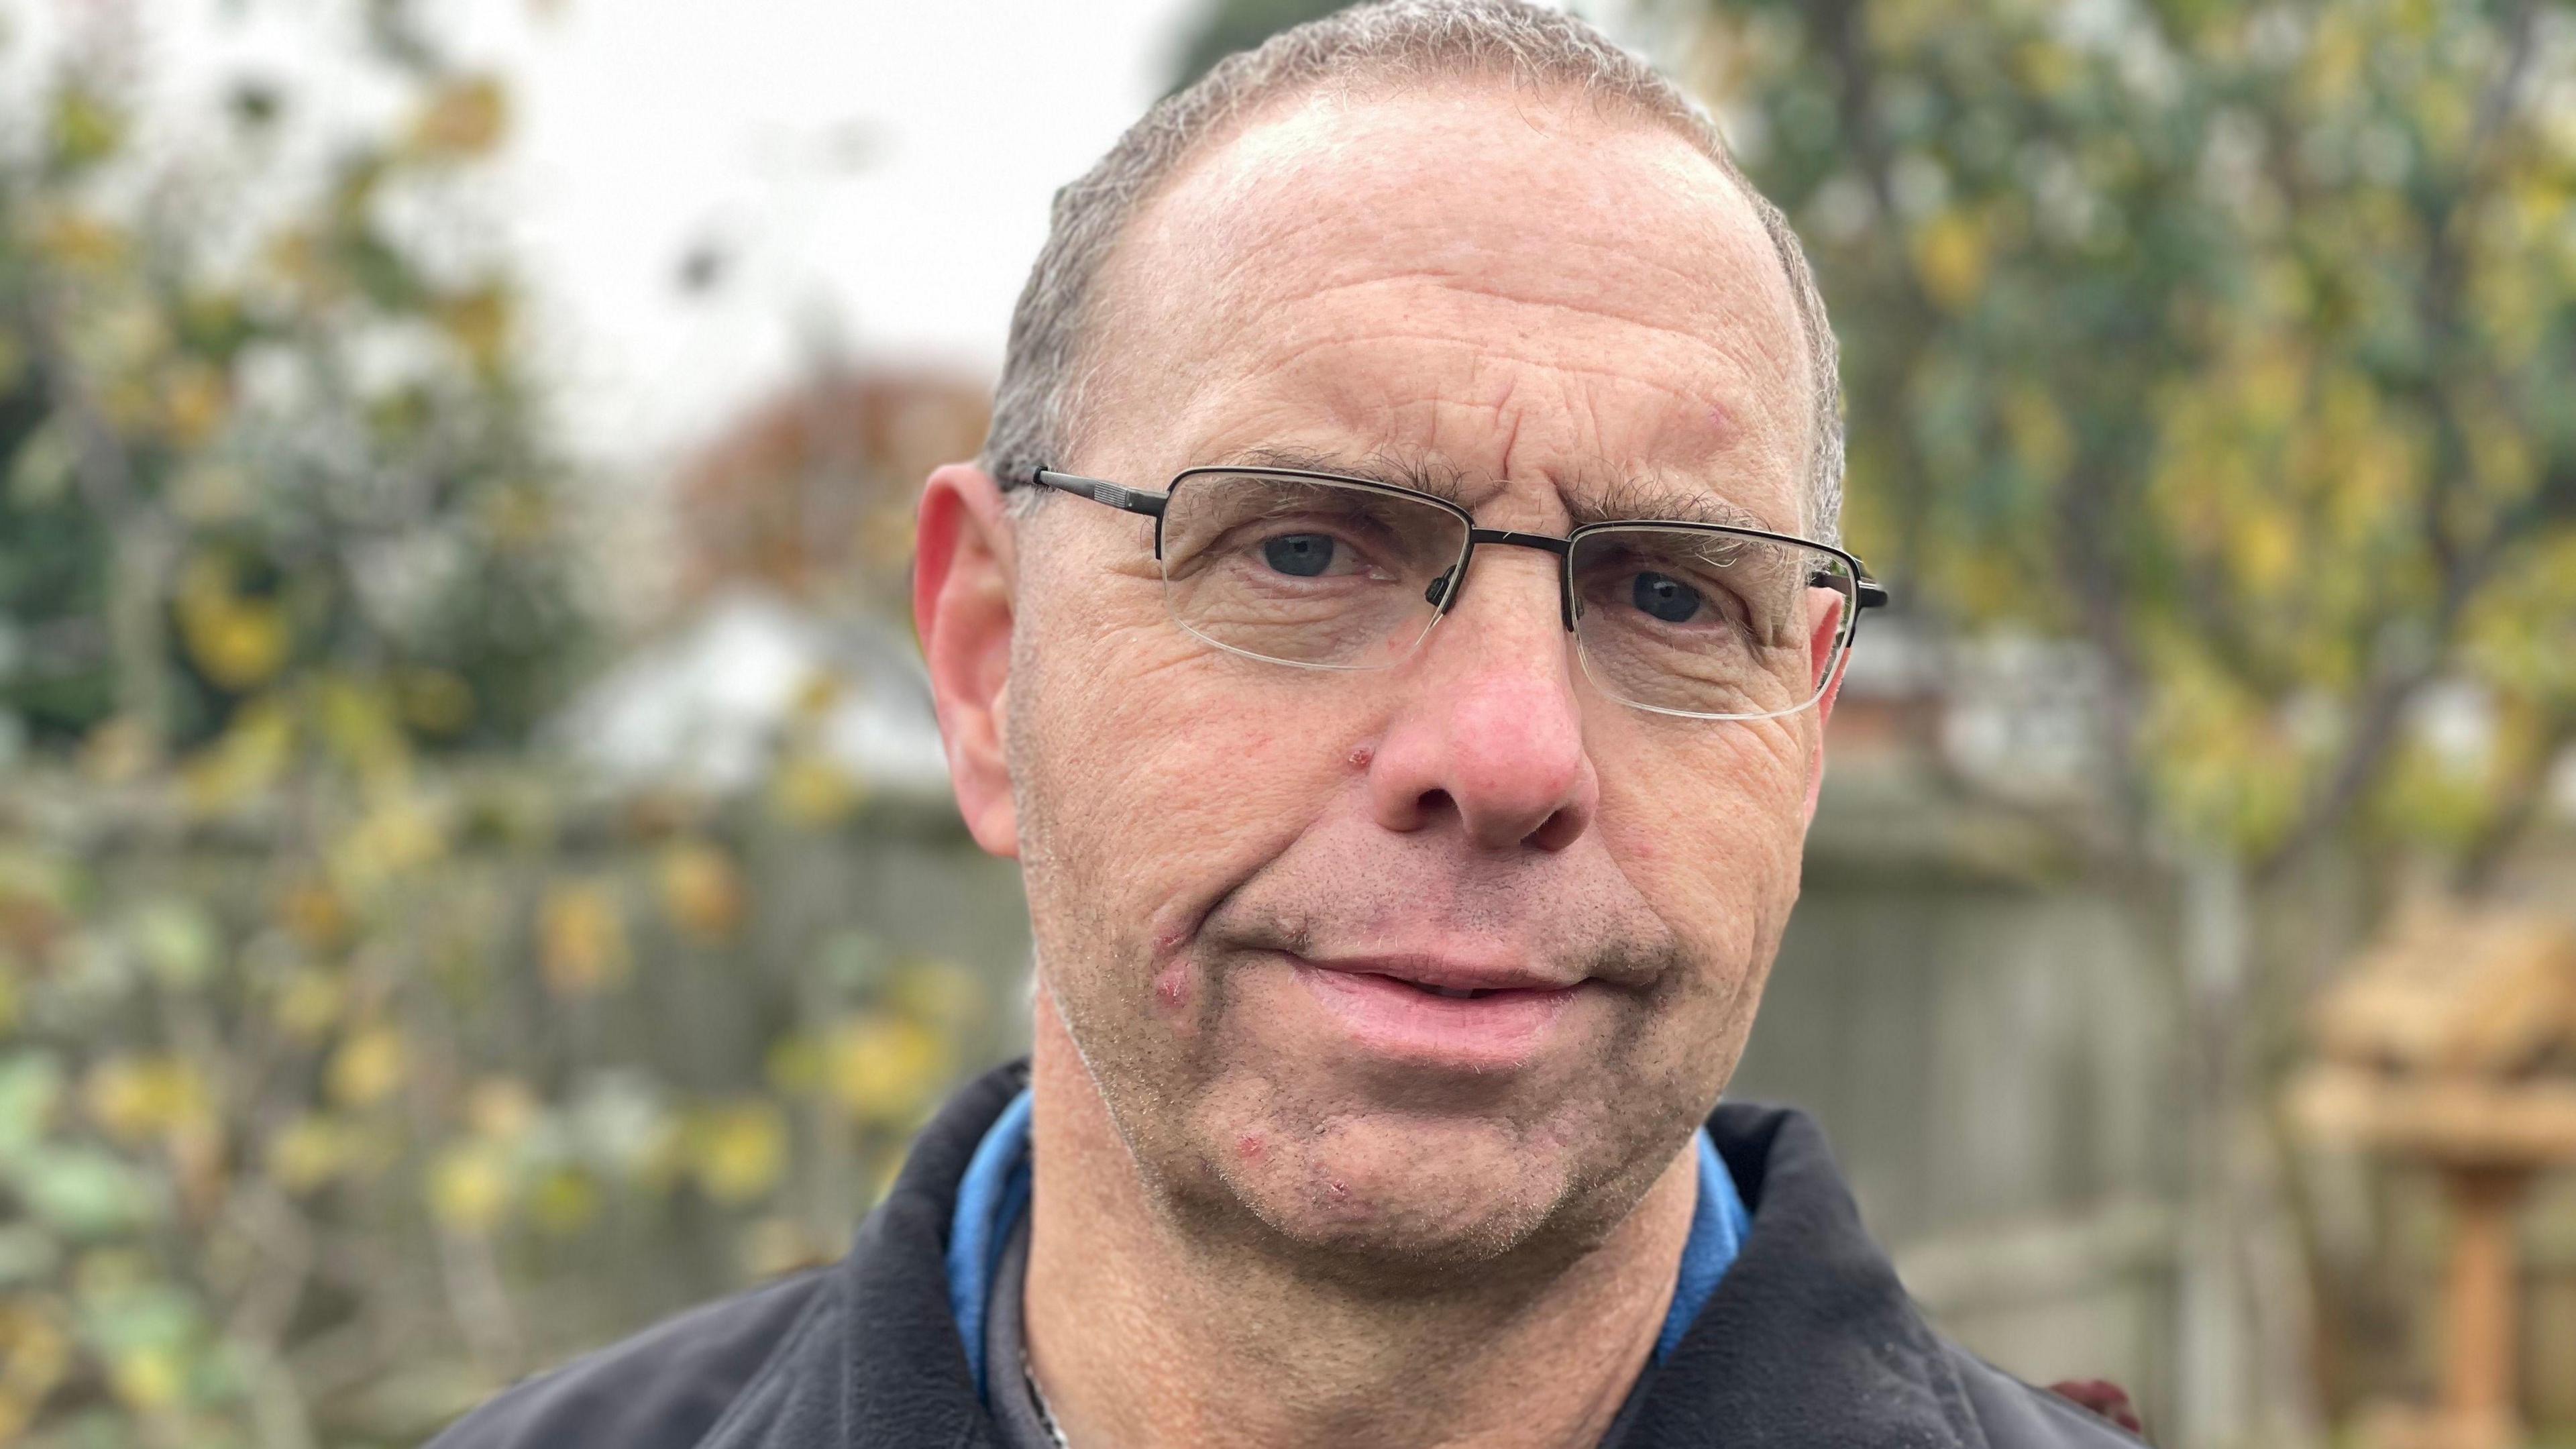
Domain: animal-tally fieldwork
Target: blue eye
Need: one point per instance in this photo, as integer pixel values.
(1299, 555)
(1666, 598)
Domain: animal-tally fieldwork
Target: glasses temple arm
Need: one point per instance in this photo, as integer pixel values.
(1099, 491)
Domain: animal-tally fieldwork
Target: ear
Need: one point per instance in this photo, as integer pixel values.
(1819, 644)
(962, 578)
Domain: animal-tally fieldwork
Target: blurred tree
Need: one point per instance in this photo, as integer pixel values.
(245, 440)
(2226, 339)
(353, 1061)
(811, 493)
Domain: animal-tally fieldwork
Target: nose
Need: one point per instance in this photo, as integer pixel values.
(1488, 731)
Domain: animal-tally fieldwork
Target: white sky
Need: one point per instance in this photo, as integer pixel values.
(648, 130)
(877, 171)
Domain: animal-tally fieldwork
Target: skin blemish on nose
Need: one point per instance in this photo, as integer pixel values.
(1340, 1189)
(1248, 1147)
(1360, 757)
(1172, 985)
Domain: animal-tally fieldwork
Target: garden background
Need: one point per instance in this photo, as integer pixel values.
(475, 875)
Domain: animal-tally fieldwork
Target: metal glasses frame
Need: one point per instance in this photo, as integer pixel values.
(1868, 592)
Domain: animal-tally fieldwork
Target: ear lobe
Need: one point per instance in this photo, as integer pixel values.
(963, 609)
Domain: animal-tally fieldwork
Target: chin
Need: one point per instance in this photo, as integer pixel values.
(1382, 1197)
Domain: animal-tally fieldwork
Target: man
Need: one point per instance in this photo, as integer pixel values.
(1410, 765)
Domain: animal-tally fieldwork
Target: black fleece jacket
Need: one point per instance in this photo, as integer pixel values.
(1808, 1340)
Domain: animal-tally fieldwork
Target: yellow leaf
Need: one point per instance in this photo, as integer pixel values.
(809, 790)
(1950, 257)
(307, 1153)
(35, 1355)
(938, 991)
(238, 642)
(194, 399)
(135, 1099)
(739, 1150)
(367, 1067)
(252, 753)
(465, 119)
(359, 720)
(395, 839)
(148, 1378)
(479, 320)
(701, 890)
(469, 1187)
(310, 1004)
(581, 945)
(84, 127)
(80, 241)
(884, 1068)
(313, 913)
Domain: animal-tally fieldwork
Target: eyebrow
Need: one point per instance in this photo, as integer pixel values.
(1620, 500)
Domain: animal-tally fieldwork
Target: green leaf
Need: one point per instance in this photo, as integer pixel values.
(30, 1083)
(84, 1192)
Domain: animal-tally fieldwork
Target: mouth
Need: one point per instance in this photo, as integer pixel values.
(1439, 1014)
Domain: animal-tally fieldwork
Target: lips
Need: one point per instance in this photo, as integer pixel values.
(1436, 1013)
(1439, 976)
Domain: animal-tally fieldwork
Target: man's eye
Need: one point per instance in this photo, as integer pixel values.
(1665, 597)
(1299, 555)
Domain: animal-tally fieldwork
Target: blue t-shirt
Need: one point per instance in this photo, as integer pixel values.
(995, 1194)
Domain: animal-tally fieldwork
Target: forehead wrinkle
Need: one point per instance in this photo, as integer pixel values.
(1754, 450)
(1699, 338)
(1623, 498)
(1282, 359)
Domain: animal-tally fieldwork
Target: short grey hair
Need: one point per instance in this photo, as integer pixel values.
(1037, 405)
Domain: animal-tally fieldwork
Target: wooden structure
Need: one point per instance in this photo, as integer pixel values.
(2453, 1044)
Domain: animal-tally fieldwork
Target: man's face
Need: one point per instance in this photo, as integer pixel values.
(1246, 877)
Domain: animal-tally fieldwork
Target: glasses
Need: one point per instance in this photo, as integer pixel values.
(1324, 572)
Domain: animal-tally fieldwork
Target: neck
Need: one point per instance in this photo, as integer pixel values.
(1142, 1333)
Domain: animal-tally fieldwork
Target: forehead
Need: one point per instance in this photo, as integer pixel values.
(1547, 298)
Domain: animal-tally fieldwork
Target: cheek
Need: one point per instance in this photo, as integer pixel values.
(1158, 773)
(1712, 838)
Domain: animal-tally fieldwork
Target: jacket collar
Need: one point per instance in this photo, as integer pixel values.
(1808, 1340)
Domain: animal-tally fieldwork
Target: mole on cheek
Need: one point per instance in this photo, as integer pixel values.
(1248, 1147)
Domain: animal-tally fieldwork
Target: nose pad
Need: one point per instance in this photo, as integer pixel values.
(1439, 589)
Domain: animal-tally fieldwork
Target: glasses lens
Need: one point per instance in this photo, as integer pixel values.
(1714, 624)
(1304, 570)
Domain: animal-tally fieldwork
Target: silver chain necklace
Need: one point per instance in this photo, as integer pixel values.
(1037, 1396)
